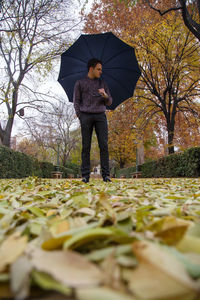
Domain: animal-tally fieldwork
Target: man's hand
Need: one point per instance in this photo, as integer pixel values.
(103, 93)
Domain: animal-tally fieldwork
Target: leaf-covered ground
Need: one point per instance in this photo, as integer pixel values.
(129, 239)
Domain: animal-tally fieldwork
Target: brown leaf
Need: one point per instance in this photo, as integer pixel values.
(11, 249)
(159, 275)
(68, 267)
(172, 235)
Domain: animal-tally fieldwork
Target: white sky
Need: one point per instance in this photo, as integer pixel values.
(50, 83)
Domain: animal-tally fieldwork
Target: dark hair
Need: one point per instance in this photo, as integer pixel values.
(93, 62)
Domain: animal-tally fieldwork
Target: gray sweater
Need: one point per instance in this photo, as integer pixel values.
(86, 97)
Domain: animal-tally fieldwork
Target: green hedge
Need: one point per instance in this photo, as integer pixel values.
(67, 172)
(73, 168)
(126, 172)
(15, 164)
(46, 168)
(186, 164)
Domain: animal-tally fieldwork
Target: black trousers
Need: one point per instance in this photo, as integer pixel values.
(99, 122)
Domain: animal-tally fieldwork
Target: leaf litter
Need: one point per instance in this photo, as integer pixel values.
(133, 239)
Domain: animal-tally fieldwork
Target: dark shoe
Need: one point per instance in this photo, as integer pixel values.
(85, 179)
(107, 179)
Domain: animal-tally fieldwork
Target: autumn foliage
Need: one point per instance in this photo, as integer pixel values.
(165, 102)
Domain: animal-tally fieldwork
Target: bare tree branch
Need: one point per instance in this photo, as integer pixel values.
(169, 74)
(33, 34)
(188, 19)
(162, 13)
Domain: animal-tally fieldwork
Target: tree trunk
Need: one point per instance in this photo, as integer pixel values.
(64, 158)
(6, 134)
(189, 22)
(170, 140)
(121, 164)
(140, 153)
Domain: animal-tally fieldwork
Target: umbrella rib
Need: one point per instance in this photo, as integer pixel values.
(77, 58)
(119, 53)
(125, 88)
(72, 74)
(104, 46)
(124, 69)
(87, 45)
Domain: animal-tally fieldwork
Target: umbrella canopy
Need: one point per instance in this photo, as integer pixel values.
(120, 68)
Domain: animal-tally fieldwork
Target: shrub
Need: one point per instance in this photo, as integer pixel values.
(47, 168)
(126, 172)
(186, 164)
(68, 172)
(73, 169)
(15, 164)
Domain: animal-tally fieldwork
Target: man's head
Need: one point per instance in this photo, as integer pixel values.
(94, 68)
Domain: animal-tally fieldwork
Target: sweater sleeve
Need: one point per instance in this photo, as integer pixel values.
(77, 98)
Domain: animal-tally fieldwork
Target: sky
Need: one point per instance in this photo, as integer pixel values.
(50, 83)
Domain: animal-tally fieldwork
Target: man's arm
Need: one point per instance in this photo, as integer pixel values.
(77, 98)
(106, 94)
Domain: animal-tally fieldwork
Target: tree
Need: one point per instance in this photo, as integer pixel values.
(168, 57)
(57, 124)
(190, 11)
(184, 136)
(121, 135)
(116, 16)
(33, 33)
(126, 134)
(32, 148)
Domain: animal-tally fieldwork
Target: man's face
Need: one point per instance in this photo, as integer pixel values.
(97, 71)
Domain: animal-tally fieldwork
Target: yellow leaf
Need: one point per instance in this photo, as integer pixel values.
(59, 226)
(100, 293)
(189, 244)
(172, 235)
(68, 267)
(11, 248)
(159, 275)
(103, 199)
(62, 227)
(66, 184)
(54, 243)
(168, 222)
(51, 212)
(86, 236)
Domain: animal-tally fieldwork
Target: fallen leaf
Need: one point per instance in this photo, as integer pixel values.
(159, 275)
(61, 226)
(86, 236)
(36, 211)
(101, 293)
(20, 277)
(67, 267)
(189, 243)
(103, 200)
(11, 249)
(172, 235)
(47, 282)
(53, 243)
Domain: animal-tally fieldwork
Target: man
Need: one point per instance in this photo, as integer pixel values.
(91, 95)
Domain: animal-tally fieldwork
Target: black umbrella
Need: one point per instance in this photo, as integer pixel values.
(120, 68)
